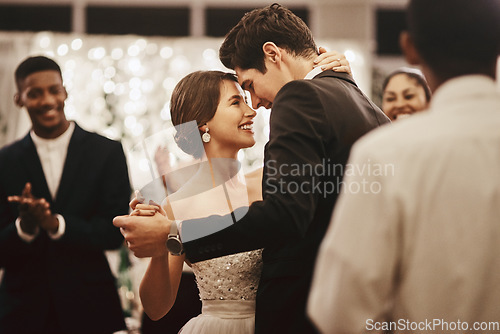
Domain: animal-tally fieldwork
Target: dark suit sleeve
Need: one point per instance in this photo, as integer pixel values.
(108, 198)
(11, 244)
(297, 134)
(9, 240)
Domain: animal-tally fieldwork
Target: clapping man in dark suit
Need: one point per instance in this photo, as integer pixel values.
(60, 187)
(316, 117)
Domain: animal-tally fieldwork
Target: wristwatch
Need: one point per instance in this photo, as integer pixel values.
(174, 243)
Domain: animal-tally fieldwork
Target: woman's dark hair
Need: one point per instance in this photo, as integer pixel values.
(412, 74)
(195, 98)
(242, 46)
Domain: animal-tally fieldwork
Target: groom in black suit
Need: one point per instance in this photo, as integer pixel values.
(60, 187)
(316, 117)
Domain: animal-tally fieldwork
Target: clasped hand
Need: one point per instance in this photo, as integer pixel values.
(145, 229)
(34, 212)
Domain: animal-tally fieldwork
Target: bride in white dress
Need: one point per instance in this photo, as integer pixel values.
(227, 285)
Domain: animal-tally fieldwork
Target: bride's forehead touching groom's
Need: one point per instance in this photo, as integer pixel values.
(262, 87)
(232, 123)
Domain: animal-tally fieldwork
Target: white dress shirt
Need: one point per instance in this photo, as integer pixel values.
(314, 72)
(414, 241)
(52, 154)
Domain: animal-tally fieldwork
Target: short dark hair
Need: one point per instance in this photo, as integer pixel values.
(196, 98)
(456, 37)
(242, 46)
(34, 64)
(412, 74)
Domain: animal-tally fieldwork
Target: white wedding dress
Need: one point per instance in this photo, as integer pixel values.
(228, 287)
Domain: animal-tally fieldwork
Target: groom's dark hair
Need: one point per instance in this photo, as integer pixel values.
(242, 46)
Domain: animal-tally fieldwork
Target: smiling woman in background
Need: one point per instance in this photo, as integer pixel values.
(404, 92)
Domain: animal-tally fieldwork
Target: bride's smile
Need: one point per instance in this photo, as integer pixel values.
(231, 128)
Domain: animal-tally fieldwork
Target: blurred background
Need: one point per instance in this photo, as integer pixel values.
(122, 58)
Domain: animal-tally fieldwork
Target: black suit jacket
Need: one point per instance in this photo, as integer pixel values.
(313, 125)
(71, 275)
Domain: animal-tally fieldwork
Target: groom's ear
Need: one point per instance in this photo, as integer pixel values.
(272, 52)
(409, 49)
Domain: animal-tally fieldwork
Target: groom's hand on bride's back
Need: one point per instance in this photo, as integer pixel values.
(145, 235)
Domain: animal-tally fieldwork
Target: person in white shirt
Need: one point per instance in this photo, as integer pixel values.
(417, 249)
(60, 187)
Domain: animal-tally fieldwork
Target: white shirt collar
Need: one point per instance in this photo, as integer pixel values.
(315, 71)
(63, 139)
(52, 154)
(459, 89)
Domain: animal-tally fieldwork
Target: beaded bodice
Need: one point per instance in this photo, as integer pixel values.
(231, 277)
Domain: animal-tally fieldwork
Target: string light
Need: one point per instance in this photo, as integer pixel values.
(166, 52)
(117, 53)
(62, 50)
(133, 50)
(76, 44)
(45, 41)
(121, 85)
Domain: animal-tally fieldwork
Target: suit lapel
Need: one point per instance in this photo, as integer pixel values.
(31, 162)
(74, 159)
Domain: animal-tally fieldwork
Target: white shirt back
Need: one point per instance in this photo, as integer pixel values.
(422, 246)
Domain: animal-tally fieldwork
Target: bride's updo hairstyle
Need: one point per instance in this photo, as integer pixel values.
(195, 98)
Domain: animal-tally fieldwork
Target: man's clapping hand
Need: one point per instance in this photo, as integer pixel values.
(34, 212)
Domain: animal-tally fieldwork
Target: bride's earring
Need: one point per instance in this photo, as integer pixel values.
(206, 136)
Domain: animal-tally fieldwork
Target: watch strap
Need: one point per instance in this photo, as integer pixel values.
(173, 228)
